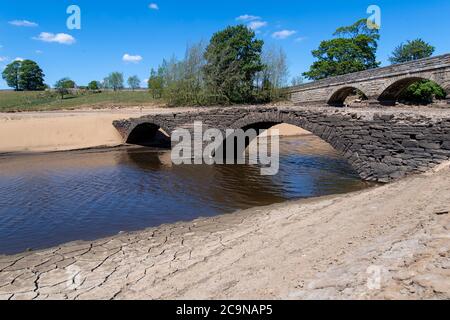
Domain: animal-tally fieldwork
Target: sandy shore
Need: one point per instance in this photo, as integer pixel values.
(388, 242)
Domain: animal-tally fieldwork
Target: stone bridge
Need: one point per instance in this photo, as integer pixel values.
(380, 144)
(380, 86)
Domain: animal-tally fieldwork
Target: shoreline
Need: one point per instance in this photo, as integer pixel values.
(321, 248)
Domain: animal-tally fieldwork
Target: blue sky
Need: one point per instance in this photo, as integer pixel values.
(147, 33)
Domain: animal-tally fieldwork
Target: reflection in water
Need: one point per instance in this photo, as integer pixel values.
(49, 199)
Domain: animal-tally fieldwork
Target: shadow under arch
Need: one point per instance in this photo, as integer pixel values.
(394, 91)
(338, 97)
(149, 135)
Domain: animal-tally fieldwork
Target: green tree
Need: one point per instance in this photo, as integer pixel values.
(114, 81)
(134, 82)
(412, 50)
(11, 74)
(156, 83)
(31, 76)
(423, 92)
(63, 86)
(233, 58)
(353, 49)
(93, 85)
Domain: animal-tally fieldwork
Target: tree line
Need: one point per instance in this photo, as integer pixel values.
(236, 67)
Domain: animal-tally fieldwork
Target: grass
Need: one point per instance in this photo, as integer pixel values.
(11, 101)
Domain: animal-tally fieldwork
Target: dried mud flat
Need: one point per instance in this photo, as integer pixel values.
(388, 242)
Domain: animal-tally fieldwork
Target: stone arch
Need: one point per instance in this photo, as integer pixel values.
(393, 90)
(148, 134)
(326, 130)
(338, 96)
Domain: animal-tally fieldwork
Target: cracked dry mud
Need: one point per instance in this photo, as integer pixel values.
(389, 242)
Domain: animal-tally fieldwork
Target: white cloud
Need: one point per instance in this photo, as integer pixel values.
(153, 6)
(39, 52)
(300, 39)
(23, 23)
(130, 58)
(62, 38)
(283, 34)
(3, 59)
(19, 59)
(255, 25)
(247, 17)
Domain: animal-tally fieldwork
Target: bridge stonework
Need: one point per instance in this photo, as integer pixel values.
(381, 145)
(380, 85)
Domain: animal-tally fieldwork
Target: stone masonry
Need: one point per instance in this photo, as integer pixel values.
(380, 85)
(381, 144)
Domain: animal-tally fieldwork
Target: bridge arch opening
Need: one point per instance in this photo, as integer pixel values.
(412, 90)
(149, 135)
(347, 96)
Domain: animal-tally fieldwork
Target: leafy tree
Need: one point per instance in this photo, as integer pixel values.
(353, 49)
(63, 86)
(31, 76)
(11, 74)
(233, 58)
(114, 81)
(423, 92)
(93, 85)
(24, 75)
(412, 50)
(134, 82)
(156, 83)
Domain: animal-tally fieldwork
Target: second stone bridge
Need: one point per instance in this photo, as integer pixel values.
(380, 144)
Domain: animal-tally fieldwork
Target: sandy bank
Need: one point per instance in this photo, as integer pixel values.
(62, 130)
(391, 241)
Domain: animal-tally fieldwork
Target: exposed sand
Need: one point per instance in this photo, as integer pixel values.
(72, 130)
(388, 242)
(63, 130)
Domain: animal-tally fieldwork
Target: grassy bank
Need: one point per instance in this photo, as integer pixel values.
(11, 101)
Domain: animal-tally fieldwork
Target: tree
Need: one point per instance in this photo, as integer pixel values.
(11, 74)
(274, 76)
(63, 85)
(114, 81)
(412, 50)
(423, 92)
(156, 83)
(353, 49)
(233, 58)
(24, 75)
(31, 76)
(134, 82)
(93, 85)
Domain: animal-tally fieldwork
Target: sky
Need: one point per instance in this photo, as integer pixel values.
(134, 36)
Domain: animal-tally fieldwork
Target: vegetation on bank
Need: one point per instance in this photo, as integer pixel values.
(233, 67)
(13, 101)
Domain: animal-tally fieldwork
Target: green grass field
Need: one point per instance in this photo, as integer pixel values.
(11, 101)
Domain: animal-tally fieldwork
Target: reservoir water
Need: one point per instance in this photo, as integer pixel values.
(50, 199)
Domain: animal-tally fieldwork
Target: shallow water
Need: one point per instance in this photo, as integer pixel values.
(49, 199)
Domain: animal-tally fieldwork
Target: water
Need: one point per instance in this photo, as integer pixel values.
(49, 199)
